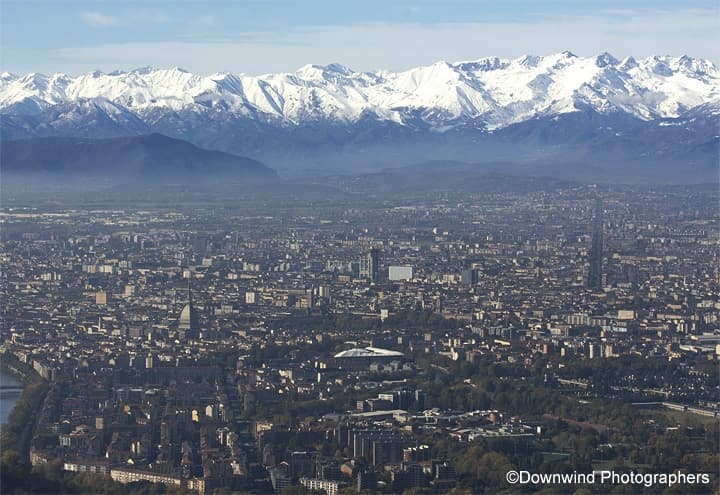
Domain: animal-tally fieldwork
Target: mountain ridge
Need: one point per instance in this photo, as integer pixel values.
(497, 92)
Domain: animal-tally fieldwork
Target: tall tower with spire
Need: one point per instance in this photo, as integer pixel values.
(188, 325)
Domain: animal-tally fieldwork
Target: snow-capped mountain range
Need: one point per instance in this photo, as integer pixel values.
(497, 92)
(320, 106)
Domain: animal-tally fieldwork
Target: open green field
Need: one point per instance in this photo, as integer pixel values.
(680, 417)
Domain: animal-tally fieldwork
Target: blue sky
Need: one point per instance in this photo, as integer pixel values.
(260, 36)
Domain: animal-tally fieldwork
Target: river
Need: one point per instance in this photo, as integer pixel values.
(10, 389)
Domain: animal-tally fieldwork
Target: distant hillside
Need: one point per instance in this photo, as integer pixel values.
(152, 157)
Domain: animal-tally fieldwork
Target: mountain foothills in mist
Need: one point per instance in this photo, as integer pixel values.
(152, 157)
(655, 117)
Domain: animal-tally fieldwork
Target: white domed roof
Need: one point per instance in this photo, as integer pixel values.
(366, 352)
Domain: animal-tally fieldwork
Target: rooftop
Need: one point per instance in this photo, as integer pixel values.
(364, 352)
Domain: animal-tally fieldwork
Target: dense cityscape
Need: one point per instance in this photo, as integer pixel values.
(389, 343)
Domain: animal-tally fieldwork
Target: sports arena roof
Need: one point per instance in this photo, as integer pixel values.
(368, 352)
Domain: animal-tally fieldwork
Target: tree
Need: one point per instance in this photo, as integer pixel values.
(491, 470)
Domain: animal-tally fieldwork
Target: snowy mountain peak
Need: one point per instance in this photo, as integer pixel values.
(694, 65)
(488, 92)
(605, 59)
(628, 63)
(527, 61)
(483, 64)
(326, 74)
(145, 69)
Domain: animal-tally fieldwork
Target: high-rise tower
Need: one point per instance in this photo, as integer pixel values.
(370, 266)
(595, 255)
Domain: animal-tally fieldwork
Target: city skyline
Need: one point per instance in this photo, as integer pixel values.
(349, 337)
